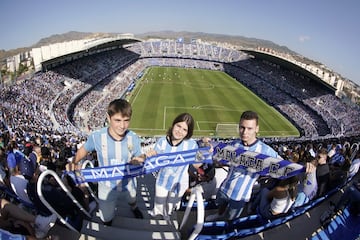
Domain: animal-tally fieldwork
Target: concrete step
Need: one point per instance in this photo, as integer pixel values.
(143, 230)
(87, 237)
(60, 232)
(145, 224)
(125, 225)
(128, 221)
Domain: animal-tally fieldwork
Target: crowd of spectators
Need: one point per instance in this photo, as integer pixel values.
(61, 98)
(342, 159)
(50, 110)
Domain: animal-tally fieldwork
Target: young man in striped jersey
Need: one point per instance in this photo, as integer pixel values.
(236, 189)
(114, 145)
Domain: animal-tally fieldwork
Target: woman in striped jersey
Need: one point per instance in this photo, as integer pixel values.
(172, 182)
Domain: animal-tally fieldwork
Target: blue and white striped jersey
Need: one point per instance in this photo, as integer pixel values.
(310, 185)
(169, 176)
(111, 152)
(239, 182)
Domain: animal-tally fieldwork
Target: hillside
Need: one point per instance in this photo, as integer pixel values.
(235, 40)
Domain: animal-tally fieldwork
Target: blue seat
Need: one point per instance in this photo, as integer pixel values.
(214, 228)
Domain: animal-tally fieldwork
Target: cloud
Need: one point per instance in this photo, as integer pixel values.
(304, 38)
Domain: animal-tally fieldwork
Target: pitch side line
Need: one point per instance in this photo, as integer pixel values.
(208, 107)
(137, 94)
(164, 117)
(198, 126)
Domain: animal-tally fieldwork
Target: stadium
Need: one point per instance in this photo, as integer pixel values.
(299, 109)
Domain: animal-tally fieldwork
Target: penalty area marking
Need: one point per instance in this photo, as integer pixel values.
(207, 107)
(199, 86)
(200, 107)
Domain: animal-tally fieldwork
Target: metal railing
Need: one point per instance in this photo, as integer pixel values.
(84, 164)
(196, 193)
(65, 189)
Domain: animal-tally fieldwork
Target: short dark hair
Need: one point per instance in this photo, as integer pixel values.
(11, 146)
(119, 106)
(45, 152)
(183, 117)
(250, 115)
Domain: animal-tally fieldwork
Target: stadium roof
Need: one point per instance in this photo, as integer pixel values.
(290, 66)
(89, 48)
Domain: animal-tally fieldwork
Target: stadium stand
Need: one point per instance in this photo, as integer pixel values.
(52, 109)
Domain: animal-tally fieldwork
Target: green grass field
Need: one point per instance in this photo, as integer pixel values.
(212, 97)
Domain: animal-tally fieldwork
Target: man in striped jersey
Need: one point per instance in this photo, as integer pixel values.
(115, 145)
(236, 189)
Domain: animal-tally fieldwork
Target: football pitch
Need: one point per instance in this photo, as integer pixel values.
(214, 99)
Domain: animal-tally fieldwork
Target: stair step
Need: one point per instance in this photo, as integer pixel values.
(100, 231)
(87, 237)
(60, 232)
(145, 224)
(135, 223)
(125, 225)
(123, 212)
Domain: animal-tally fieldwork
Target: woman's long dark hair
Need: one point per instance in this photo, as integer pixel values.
(292, 183)
(183, 117)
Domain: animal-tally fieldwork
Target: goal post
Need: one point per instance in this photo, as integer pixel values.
(227, 129)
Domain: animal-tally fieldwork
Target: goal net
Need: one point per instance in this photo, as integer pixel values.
(227, 130)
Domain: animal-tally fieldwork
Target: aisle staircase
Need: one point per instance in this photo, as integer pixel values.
(125, 225)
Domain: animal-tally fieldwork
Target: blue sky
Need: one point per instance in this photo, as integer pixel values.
(323, 30)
